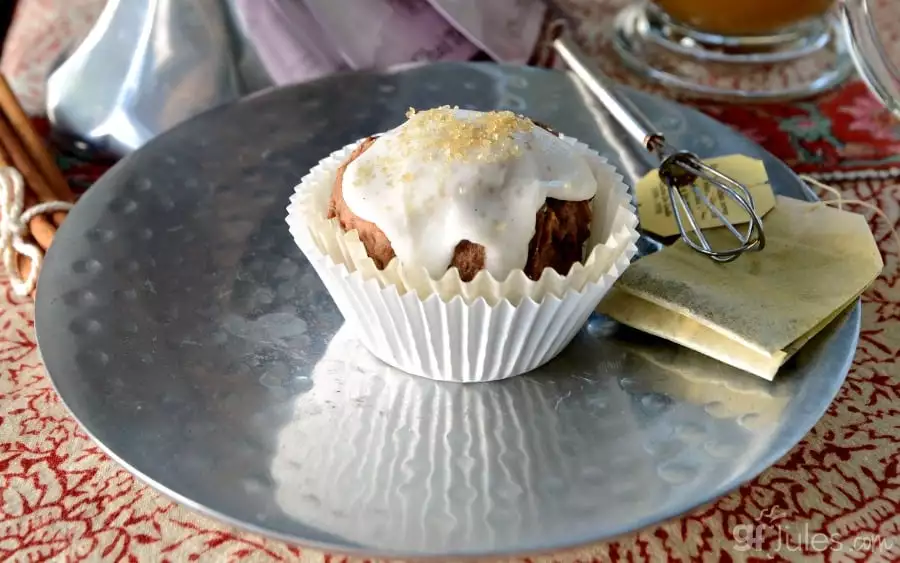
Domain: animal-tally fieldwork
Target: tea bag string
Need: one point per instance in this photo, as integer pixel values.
(839, 203)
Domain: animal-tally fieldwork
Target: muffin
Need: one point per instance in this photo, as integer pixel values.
(561, 227)
(464, 245)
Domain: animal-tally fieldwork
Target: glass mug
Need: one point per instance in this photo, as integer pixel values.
(755, 49)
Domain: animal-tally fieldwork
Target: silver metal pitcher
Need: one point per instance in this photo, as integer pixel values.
(144, 67)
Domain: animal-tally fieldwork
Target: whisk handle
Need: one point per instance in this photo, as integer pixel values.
(629, 117)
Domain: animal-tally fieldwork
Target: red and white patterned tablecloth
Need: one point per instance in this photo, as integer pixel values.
(833, 497)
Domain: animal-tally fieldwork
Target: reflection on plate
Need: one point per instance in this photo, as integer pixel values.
(481, 460)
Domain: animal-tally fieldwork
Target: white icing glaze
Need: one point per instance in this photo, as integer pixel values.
(428, 186)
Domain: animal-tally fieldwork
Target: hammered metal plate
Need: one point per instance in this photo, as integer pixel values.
(188, 335)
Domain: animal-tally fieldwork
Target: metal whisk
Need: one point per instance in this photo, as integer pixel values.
(679, 170)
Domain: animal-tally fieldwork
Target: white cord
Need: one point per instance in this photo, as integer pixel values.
(14, 227)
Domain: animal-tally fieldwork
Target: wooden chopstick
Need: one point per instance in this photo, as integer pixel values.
(24, 264)
(22, 148)
(13, 154)
(32, 143)
(42, 230)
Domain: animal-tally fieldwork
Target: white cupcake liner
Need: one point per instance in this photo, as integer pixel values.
(447, 329)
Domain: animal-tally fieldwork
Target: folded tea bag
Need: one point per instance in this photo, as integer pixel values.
(756, 312)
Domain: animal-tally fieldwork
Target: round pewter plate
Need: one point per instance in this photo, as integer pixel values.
(191, 339)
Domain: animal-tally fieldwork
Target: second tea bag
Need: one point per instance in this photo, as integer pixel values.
(756, 312)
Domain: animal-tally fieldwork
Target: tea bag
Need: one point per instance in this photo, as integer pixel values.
(756, 312)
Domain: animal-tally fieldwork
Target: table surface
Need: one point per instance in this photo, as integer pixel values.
(834, 497)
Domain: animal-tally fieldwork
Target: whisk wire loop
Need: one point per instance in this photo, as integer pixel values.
(679, 170)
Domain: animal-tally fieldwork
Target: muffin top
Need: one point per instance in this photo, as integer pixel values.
(448, 175)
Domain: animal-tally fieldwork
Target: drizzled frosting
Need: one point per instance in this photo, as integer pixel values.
(448, 175)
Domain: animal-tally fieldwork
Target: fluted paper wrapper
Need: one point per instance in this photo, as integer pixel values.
(447, 329)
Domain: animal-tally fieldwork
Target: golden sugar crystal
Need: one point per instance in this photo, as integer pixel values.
(485, 137)
(365, 171)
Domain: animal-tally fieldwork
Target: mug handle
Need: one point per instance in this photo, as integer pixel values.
(867, 52)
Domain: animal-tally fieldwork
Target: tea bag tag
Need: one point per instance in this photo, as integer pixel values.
(655, 210)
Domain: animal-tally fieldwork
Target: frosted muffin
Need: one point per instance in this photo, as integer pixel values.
(465, 246)
(462, 189)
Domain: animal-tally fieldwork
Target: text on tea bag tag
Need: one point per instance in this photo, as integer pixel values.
(655, 210)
